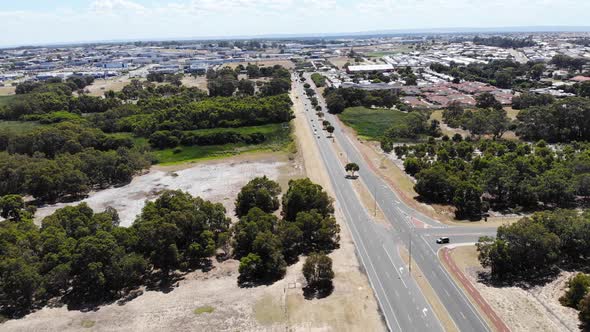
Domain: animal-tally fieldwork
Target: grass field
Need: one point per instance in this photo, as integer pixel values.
(6, 99)
(18, 126)
(370, 123)
(278, 139)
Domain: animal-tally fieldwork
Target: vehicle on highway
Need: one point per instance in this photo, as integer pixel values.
(442, 240)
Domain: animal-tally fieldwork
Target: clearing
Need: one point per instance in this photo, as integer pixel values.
(370, 123)
(218, 181)
(7, 90)
(100, 86)
(534, 309)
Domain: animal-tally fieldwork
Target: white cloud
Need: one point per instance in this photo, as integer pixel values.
(116, 6)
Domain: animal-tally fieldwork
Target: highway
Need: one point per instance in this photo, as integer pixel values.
(402, 302)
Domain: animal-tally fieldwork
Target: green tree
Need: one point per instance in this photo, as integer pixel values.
(487, 100)
(578, 287)
(467, 200)
(304, 195)
(260, 192)
(318, 273)
(352, 168)
(319, 233)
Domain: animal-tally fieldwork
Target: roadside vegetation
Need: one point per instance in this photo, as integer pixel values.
(318, 79)
(85, 259)
(535, 248)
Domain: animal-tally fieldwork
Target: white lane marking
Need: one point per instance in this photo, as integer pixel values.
(463, 315)
(372, 266)
(394, 266)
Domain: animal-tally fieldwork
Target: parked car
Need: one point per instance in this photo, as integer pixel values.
(442, 240)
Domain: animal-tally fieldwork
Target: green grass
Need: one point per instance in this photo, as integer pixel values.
(278, 139)
(87, 323)
(4, 100)
(204, 309)
(18, 127)
(370, 123)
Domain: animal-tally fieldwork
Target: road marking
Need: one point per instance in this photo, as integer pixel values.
(409, 318)
(394, 266)
(463, 315)
(447, 292)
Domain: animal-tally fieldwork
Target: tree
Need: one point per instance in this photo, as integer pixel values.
(318, 233)
(318, 273)
(248, 227)
(265, 263)
(467, 200)
(487, 100)
(11, 207)
(20, 284)
(304, 195)
(330, 130)
(260, 192)
(352, 168)
(246, 87)
(584, 314)
(578, 287)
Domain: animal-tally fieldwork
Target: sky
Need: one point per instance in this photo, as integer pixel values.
(27, 22)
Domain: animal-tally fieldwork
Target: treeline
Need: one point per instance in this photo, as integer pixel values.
(168, 139)
(564, 120)
(318, 79)
(86, 258)
(483, 121)
(339, 99)
(224, 82)
(156, 114)
(504, 42)
(505, 74)
(567, 62)
(48, 98)
(475, 176)
(412, 126)
(75, 82)
(174, 79)
(536, 246)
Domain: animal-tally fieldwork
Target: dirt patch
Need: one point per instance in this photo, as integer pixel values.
(198, 82)
(100, 86)
(534, 309)
(339, 61)
(218, 181)
(7, 90)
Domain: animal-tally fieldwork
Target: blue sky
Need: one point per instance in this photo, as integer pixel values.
(48, 21)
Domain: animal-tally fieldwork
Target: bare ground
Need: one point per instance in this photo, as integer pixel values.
(534, 309)
(100, 86)
(218, 181)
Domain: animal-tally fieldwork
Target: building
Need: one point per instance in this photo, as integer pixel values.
(370, 68)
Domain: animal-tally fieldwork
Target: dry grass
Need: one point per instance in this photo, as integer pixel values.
(7, 90)
(267, 63)
(199, 82)
(534, 309)
(206, 309)
(100, 86)
(339, 61)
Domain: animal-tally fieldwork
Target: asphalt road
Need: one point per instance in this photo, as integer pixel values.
(402, 303)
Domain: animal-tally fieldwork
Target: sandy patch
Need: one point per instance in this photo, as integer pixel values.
(7, 90)
(218, 182)
(100, 86)
(534, 309)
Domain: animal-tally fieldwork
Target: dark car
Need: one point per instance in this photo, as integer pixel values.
(442, 240)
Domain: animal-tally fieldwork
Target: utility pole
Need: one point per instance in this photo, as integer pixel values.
(410, 267)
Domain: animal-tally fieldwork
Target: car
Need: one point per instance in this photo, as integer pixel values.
(442, 240)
